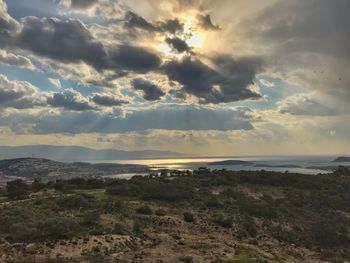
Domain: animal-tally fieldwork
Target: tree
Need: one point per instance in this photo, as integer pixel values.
(17, 189)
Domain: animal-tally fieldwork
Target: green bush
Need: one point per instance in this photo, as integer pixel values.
(213, 202)
(17, 189)
(189, 217)
(137, 227)
(223, 221)
(144, 210)
(91, 218)
(119, 229)
(186, 259)
(74, 202)
(160, 212)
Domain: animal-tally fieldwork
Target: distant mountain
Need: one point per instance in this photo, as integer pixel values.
(342, 159)
(78, 154)
(231, 162)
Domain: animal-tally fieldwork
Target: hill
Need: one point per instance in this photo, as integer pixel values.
(342, 159)
(200, 216)
(47, 169)
(78, 154)
(231, 162)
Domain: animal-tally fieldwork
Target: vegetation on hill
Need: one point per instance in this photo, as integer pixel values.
(211, 216)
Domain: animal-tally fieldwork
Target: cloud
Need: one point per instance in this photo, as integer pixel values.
(151, 91)
(178, 44)
(70, 99)
(70, 41)
(206, 23)
(308, 105)
(55, 82)
(171, 25)
(108, 100)
(134, 58)
(19, 94)
(170, 117)
(8, 25)
(228, 82)
(82, 4)
(267, 83)
(306, 26)
(15, 60)
(133, 20)
(99, 9)
(310, 37)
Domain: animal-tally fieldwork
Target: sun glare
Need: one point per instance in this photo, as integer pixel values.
(191, 34)
(196, 40)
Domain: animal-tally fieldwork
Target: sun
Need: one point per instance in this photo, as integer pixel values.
(191, 34)
(196, 40)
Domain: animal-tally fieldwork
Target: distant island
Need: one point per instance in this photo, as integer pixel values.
(278, 166)
(79, 154)
(232, 162)
(342, 159)
(247, 163)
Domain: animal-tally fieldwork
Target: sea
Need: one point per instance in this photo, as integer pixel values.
(292, 164)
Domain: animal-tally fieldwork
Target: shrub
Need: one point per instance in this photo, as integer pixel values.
(223, 221)
(213, 202)
(73, 202)
(160, 212)
(91, 218)
(17, 189)
(186, 259)
(144, 210)
(119, 229)
(189, 217)
(137, 227)
(110, 206)
(243, 259)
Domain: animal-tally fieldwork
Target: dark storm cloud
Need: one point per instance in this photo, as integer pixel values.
(229, 82)
(151, 91)
(171, 117)
(134, 58)
(206, 23)
(69, 99)
(171, 26)
(63, 40)
(71, 41)
(178, 44)
(108, 100)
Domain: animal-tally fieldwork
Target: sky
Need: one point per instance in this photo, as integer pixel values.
(212, 78)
